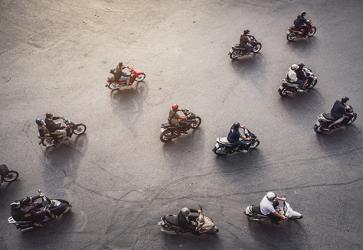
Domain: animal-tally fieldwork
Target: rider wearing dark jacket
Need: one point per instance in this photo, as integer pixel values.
(234, 135)
(51, 125)
(339, 108)
(301, 22)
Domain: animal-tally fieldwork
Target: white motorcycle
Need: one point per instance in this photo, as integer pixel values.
(254, 213)
(289, 87)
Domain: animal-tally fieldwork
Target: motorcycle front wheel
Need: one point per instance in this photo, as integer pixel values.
(140, 77)
(257, 48)
(353, 119)
(113, 85)
(254, 144)
(196, 122)
(312, 31)
(79, 129)
(313, 84)
(11, 176)
(166, 136)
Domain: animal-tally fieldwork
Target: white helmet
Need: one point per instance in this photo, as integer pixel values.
(185, 211)
(294, 66)
(271, 196)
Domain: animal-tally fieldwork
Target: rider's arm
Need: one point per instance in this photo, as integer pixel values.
(282, 217)
(281, 198)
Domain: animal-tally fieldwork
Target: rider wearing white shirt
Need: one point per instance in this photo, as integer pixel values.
(268, 204)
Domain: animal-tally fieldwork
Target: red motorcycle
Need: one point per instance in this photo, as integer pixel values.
(134, 76)
(294, 33)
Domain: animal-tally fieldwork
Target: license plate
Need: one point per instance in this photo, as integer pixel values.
(217, 145)
(317, 123)
(162, 130)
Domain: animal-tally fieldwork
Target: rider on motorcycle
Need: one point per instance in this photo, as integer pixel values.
(121, 71)
(55, 128)
(187, 217)
(301, 24)
(41, 127)
(175, 118)
(268, 207)
(339, 111)
(245, 41)
(296, 75)
(27, 209)
(234, 136)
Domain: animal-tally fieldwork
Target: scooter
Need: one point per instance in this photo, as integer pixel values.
(288, 87)
(134, 76)
(294, 33)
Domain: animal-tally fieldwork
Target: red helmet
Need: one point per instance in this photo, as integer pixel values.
(174, 107)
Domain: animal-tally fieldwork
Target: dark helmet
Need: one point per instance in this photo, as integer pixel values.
(344, 99)
(303, 14)
(245, 32)
(39, 121)
(49, 115)
(301, 65)
(236, 125)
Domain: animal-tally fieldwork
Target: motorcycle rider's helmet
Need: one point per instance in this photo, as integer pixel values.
(271, 196)
(303, 14)
(174, 107)
(236, 125)
(49, 115)
(344, 100)
(294, 66)
(185, 211)
(246, 32)
(39, 122)
(301, 65)
(15, 205)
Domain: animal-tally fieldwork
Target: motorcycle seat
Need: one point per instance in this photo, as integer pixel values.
(172, 219)
(328, 116)
(224, 140)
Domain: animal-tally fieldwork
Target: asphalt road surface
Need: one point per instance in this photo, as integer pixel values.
(55, 57)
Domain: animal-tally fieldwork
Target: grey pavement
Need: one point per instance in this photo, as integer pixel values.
(55, 57)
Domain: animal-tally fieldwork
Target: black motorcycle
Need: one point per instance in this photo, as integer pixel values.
(57, 207)
(238, 51)
(326, 122)
(224, 147)
(288, 87)
(7, 175)
(169, 131)
(48, 139)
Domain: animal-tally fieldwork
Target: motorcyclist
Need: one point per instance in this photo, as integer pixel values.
(234, 136)
(120, 71)
(187, 219)
(53, 127)
(296, 75)
(175, 118)
(268, 207)
(245, 41)
(339, 111)
(301, 24)
(28, 209)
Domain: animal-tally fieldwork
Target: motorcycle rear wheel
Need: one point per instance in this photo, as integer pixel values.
(282, 92)
(312, 31)
(166, 136)
(48, 142)
(233, 55)
(317, 129)
(11, 176)
(290, 37)
(113, 86)
(140, 77)
(79, 129)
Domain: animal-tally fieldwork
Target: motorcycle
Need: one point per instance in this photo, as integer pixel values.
(325, 122)
(49, 140)
(288, 87)
(204, 225)
(224, 147)
(134, 76)
(253, 213)
(237, 51)
(294, 33)
(7, 175)
(169, 131)
(57, 207)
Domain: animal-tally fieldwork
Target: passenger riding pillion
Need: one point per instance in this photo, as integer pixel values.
(296, 75)
(235, 137)
(268, 206)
